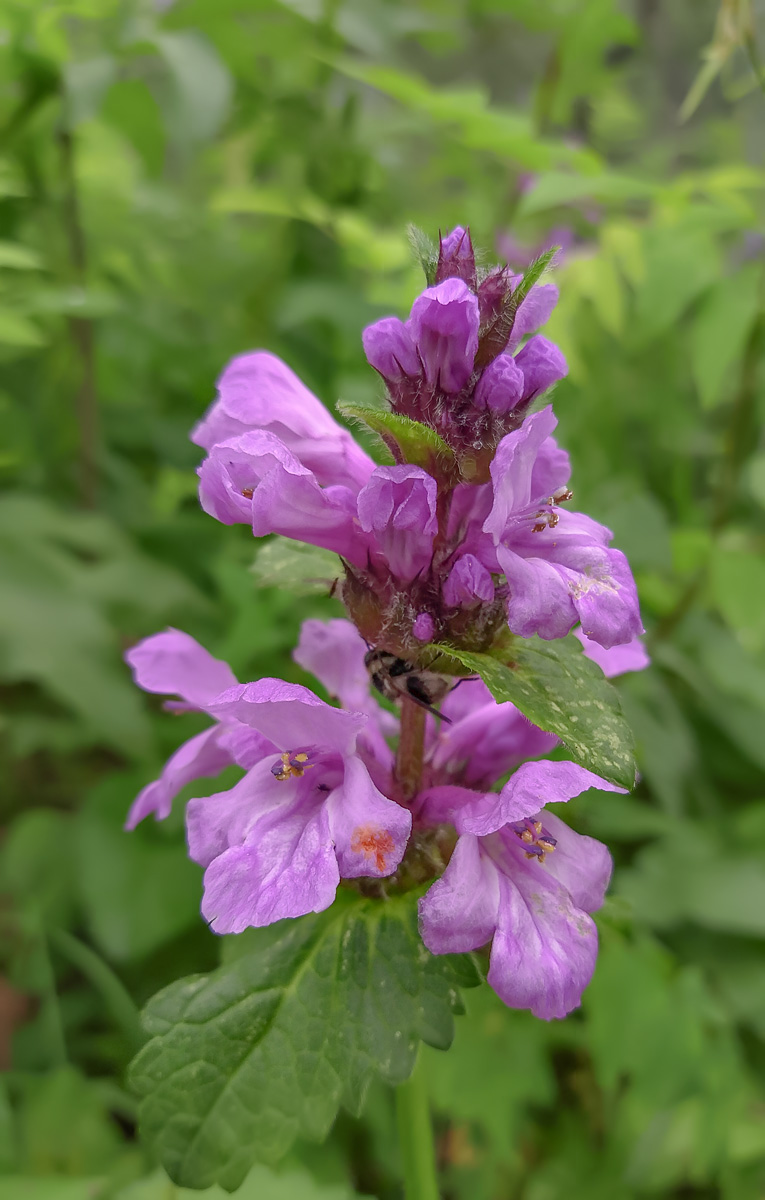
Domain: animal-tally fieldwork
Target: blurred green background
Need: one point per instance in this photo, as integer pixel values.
(183, 181)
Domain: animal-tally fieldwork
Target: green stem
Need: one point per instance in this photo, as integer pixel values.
(415, 1135)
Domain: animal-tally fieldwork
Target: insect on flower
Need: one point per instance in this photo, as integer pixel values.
(395, 678)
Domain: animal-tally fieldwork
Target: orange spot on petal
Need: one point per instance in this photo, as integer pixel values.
(373, 843)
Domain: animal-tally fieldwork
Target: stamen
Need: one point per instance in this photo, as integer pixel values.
(247, 492)
(293, 765)
(537, 842)
(547, 518)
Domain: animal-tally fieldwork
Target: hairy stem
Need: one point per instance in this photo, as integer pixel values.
(411, 747)
(415, 1135)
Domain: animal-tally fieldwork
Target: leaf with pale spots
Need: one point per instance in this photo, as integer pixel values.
(286, 564)
(268, 1047)
(557, 687)
(405, 440)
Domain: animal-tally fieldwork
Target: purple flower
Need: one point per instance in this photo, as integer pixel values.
(389, 524)
(484, 741)
(558, 566)
(520, 878)
(172, 663)
(333, 651)
(440, 338)
(259, 391)
(456, 258)
(277, 843)
(468, 584)
(255, 479)
(398, 509)
(509, 382)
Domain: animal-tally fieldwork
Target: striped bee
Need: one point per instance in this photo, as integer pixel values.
(396, 678)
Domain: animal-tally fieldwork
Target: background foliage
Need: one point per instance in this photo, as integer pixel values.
(182, 181)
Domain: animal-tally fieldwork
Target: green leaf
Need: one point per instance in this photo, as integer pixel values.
(721, 329)
(268, 1047)
(557, 687)
(737, 582)
(415, 443)
(260, 1184)
(305, 570)
(680, 263)
(555, 188)
(17, 330)
(138, 890)
(500, 132)
(19, 258)
(202, 85)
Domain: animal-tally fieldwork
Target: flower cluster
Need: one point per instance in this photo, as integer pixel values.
(452, 555)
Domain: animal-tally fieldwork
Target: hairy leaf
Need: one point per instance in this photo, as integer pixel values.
(405, 440)
(267, 1048)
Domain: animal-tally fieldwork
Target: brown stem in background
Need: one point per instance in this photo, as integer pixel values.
(81, 330)
(411, 747)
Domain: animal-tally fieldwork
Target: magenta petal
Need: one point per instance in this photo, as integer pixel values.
(259, 391)
(296, 507)
(582, 865)
(201, 756)
(632, 656)
(459, 911)
(467, 583)
(540, 600)
(545, 948)
(289, 715)
(172, 663)
(443, 802)
(512, 470)
(370, 831)
(390, 349)
(542, 364)
(244, 745)
(605, 598)
(334, 652)
(215, 823)
(456, 258)
(398, 508)
(482, 745)
(444, 324)
(501, 386)
(528, 790)
(255, 478)
(533, 313)
(552, 470)
(287, 869)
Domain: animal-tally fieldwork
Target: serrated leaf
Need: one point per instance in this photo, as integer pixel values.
(415, 443)
(305, 570)
(267, 1048)
(557, 687)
